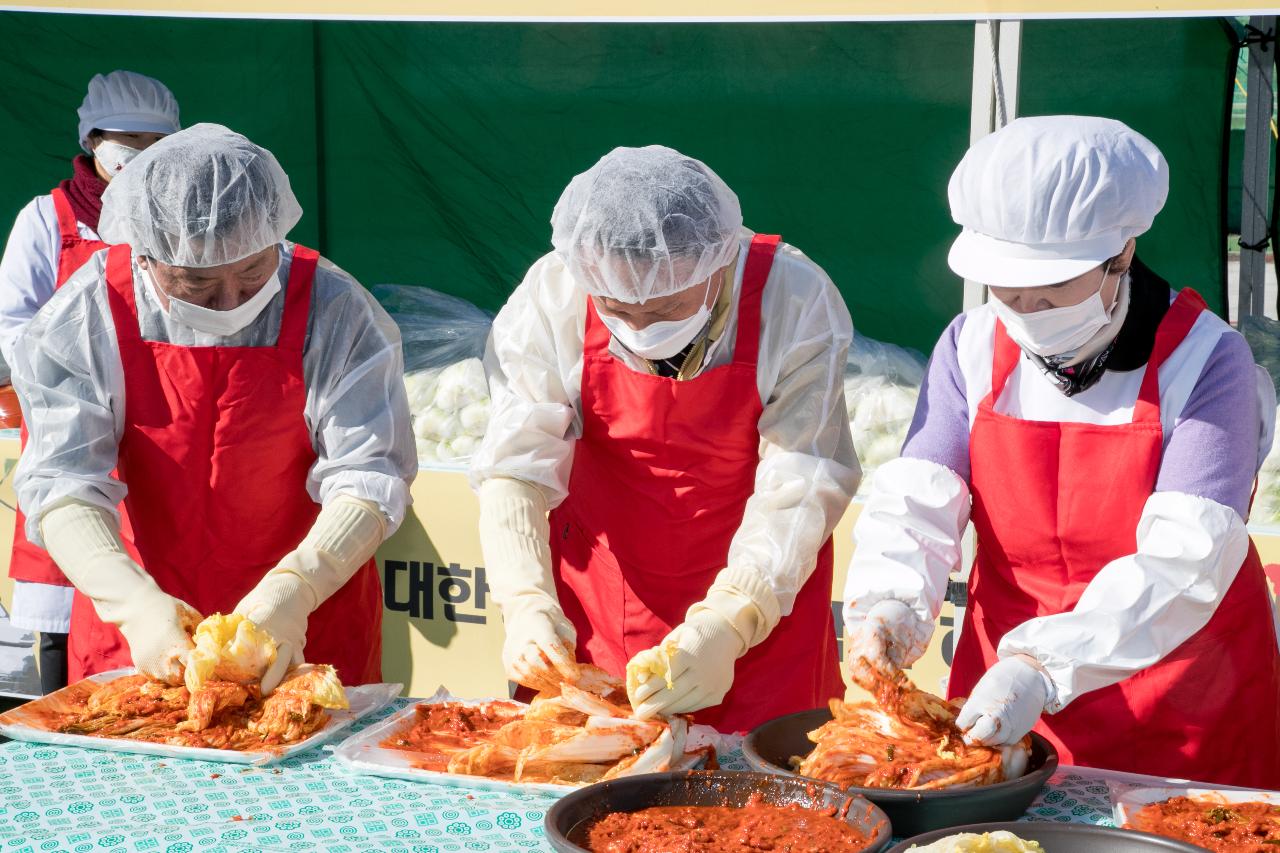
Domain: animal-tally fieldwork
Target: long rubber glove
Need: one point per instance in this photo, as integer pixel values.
(692, 668)
(515, 538)
(344, 536)
(84, 540)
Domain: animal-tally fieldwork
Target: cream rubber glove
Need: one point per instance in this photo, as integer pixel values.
(84, 540)
(692, 668)
(516, 541)
(345, 534)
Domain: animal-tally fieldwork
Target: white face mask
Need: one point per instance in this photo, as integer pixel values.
(113, 156)
(220, 323)
(1055, 331)
(662, 339)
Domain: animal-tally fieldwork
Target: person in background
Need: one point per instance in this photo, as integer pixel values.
(251, 397)
(668, 385)
(1102, 431)
(123, 113)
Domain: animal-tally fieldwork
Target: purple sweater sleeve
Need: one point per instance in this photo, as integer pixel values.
(1212, 451)
(940, 429)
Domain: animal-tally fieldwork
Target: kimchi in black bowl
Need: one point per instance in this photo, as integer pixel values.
(570, 821)
(771, 746)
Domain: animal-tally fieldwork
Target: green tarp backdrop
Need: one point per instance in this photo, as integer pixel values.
(432, 154)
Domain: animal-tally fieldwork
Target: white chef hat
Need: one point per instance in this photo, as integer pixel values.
(127, 102)
(1048, 198)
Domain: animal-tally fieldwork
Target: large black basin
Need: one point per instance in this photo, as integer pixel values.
(770, 747)
(573, 813)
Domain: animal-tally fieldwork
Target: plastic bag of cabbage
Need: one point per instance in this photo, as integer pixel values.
(1263, 336)
(1266, 503)
(881, 385)
(444, 339)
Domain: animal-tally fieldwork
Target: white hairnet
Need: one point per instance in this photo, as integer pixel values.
(203, 197)
(644, 223)
(127, 102)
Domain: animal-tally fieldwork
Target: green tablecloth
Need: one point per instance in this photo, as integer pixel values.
(60, 798)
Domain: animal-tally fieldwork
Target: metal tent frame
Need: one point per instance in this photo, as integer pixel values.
(1257, 221)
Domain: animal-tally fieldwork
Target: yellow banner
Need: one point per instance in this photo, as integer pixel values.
(656, 10)
(439, 623)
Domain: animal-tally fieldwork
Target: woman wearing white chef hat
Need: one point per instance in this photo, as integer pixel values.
(122, 114)
(1102, 432)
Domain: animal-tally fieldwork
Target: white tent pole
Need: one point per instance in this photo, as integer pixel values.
(1010, 52)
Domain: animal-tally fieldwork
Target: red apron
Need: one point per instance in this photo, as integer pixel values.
(660, 478)
(215, 452)
(1055, 502)
(30, 562)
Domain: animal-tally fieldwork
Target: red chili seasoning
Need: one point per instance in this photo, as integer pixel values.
(1221, 827)
(721, 829)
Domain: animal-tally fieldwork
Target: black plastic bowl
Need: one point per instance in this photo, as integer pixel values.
(1066, 838)
(770, 747)
(704, 788)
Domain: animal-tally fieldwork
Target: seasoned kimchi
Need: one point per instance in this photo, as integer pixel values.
(907, 739)
(220, 705)
(220, 715)
(569, 734)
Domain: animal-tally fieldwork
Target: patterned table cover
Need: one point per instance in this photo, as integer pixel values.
(82, 800)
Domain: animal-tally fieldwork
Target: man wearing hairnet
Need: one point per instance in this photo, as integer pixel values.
(122, 114)
(668, 384)
(1102, 431)
(250, 396)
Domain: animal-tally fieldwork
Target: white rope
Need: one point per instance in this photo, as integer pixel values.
(993, 37)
